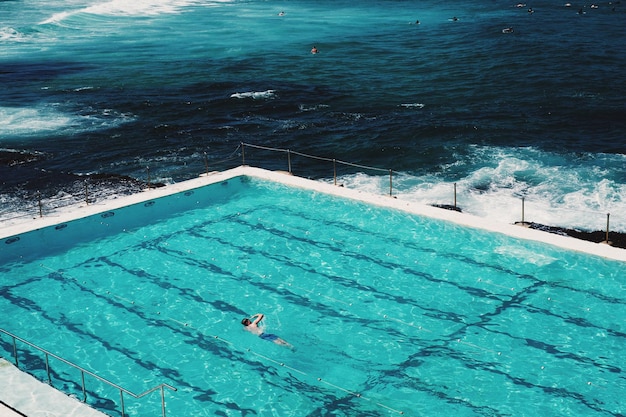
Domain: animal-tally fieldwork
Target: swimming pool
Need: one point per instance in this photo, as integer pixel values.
(389, 312)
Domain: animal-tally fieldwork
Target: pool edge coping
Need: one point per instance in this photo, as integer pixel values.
(464, 219)
(43, 400)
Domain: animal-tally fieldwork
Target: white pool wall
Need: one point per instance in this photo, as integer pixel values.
(19, 226)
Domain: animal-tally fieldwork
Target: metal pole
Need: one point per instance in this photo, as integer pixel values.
(206, 164)
(39, 203)
(390, 183)
(15, 352)
(522, 210)
(122, 401)
(455, 195)
(82, 375)
(48, 369)
(163, 400)
(86, 194)
(335, 170)
(148, 170)
(289, 159)
(243, 154)
(607, 227)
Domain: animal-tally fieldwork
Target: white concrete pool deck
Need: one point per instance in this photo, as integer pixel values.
(34, 399)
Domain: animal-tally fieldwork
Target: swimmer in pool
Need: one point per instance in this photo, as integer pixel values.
(252, 325)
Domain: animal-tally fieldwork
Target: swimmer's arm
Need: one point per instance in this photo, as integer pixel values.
(258, 318)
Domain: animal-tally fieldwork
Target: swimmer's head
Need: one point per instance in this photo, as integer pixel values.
(246, 321)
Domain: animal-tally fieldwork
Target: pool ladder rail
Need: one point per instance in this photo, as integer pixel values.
(83, 371)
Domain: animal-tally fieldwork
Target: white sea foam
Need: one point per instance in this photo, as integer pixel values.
(413, 105)
(58, 17)
(9, 34)
(574, 196)
(135, 8)
(315, 107)
(255, 94)
(19, 121)
(48, 119)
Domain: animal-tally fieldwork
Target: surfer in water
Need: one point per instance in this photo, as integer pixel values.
(314, 50)
(251, 324)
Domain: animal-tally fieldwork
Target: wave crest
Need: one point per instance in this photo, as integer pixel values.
(135, 8)
(577, 194)
(33, 121)
(267, 94)
(9, 34)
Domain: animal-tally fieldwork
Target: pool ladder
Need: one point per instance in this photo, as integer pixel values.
(83, 371)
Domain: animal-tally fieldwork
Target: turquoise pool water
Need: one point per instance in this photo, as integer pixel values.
(389, 312)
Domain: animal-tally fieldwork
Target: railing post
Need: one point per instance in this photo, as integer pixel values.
(48, 369)
(82, 376)
(243, 154)
(15, 352)
(122, 401)
(455, 195)
(390, 183)
(148, 170)
(522, 210)
(162, 400)
(335, 170)
(206, 164)
(289, 159)
(39, 204)
(607, 227)
(86, 193)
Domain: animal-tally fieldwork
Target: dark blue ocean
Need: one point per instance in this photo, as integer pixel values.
(103, 92)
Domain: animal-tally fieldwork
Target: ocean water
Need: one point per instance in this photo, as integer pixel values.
(145, 89)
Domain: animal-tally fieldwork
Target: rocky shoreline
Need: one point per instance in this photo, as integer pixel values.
(616, 239)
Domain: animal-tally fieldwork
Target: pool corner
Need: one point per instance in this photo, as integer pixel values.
(24, 395)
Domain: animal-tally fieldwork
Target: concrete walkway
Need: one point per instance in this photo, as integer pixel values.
(23, 395)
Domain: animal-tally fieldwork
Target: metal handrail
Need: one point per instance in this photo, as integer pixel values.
(84, 371)
(334, 161)
(312, 157)
(241, 148)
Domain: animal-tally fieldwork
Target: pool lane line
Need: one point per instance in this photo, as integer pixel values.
(358, 395)
(216, 337)
(552, 300)
(385, 316)
(282, 364)
(478, 347)
(496, 285)
(312, 291)
(184, 324)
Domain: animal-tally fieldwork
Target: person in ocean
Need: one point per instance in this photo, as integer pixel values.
(251, 324)
(314, 50)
